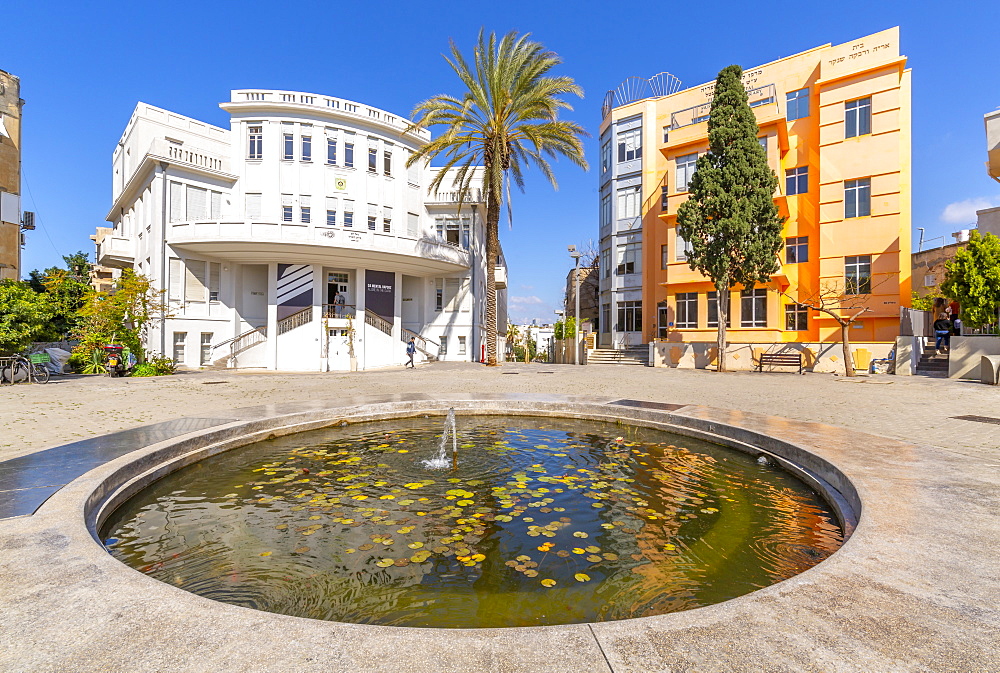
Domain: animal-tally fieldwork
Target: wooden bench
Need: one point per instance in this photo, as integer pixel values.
(780, 360)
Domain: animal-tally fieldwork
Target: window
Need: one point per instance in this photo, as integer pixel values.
(605, 318)
(796, 318)
(331, 211)
(797, 181)
(443, 350)
(662, 320)
(682, 248)
(197, 203)
(629, 257)
(372, 159)
(666, 134)
(348, 213)
(179, 339)
(331, 151)
(307, 148)
(387, 220)
(461, 345)
(387, 163)
(858, 274)
(713, 310)
(372, 220)
(685, 169)
(448, 231)
(206, 349)
(930, 280)
(412, 172)
(255, 142)
(215, 205)
(176, 202)
(858, 198)
(797, 104)
(630, 145)
(664, 197)
(664, 256)
(762, 141)
(629, 316)
(628, 202)
(253, 206)
(450, 294)
(286, 207)
(288, 146)
(753, 308)
(686, 312)
(605, 157)
(349, 155)
(306, 212)
(857, 117)
(412, 224)
(605, 209)
(796, 249)
(606, 262)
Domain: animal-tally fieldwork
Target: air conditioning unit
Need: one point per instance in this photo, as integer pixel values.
(28, 221)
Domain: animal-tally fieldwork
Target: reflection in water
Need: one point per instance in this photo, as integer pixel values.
(545, 521)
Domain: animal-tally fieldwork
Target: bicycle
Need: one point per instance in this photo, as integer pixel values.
(19, 368)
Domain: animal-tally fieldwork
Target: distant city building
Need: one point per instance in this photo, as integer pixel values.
(590, 292)
(992, 121)
(834, 122)
(11, 238)
(297, 236)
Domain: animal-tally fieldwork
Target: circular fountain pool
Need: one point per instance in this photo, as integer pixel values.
(544, 521)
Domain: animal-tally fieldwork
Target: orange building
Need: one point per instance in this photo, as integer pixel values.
(835, 124)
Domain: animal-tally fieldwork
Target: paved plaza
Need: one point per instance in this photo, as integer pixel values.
(916, 587)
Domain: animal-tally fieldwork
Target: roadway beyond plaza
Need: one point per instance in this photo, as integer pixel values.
(915, 409)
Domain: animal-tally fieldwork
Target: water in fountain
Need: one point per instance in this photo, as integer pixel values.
(440, 461)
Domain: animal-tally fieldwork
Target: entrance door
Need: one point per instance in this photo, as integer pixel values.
(339, 282)
(338, 350)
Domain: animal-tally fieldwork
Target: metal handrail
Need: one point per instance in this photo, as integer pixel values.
(297, 319)
(339, 310)
(378, 322)
(420, 342)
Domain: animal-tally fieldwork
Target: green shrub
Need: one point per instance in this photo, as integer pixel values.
(162, 365)
(144, 369)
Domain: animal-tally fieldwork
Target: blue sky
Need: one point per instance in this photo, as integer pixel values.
(83, 67)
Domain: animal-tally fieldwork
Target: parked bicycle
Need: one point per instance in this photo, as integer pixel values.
(18, 368)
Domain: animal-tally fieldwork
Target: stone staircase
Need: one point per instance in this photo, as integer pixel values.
(932, 364)
(630, 355)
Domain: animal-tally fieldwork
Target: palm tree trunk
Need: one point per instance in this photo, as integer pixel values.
(492, 253)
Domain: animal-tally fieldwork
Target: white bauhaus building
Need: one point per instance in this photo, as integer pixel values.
(297, 239)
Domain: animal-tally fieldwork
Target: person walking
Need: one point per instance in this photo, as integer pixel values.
(942, 333)
(411, 350)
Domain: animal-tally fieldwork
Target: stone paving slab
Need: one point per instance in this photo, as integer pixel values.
(916, 588)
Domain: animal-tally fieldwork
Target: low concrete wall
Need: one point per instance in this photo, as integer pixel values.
(966, 352)
(908, 351)
(817, 357)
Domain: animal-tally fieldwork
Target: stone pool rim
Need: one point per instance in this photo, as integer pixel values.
(94, 496)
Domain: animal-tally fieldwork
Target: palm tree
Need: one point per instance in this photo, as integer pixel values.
(505, 122)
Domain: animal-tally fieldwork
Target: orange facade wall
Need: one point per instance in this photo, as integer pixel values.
(868, 67)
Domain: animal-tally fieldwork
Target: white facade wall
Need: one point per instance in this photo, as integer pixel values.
(237, 234)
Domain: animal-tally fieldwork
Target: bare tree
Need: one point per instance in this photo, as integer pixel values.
(845, 307)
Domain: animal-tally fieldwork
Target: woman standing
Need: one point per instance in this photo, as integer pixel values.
(942, 333)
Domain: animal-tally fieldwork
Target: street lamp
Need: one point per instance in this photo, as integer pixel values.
(576, 295)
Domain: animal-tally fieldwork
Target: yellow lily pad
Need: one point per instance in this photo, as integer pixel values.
(548, 583)
(581, 577)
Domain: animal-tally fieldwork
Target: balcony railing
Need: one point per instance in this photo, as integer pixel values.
(339, 311)
(186, 154)
(470, 196)
(762, 95)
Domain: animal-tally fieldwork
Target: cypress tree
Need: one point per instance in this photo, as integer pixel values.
(730, 220)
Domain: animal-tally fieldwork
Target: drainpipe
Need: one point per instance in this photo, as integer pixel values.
(472, 252)
(164, 296)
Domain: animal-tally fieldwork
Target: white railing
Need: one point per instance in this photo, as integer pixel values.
(338, 310)
(328, 102)
(297, 319)
(423, 345)
(378, 322)
(468, 196)
(186, 154)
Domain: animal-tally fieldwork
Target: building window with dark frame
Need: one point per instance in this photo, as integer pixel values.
(857, 198)
(797, 181)
(629, 316)
(796, 318)
(664, 194)
(797, 104)
(287, 146)
(372, 160)
(713, 311)
(630, 145)
(331, 151)
(306, 212)
(686, 310)
(372, 220)
(685, 167)
(349, 155)
(664, 256)
(387, 163)
(857, 117)
(286, 213)
(605, 318)
(753, 308)
(606, 157)
(858, 274)
(629, 257)
(255, 142)
(307, 148)
(796, 249)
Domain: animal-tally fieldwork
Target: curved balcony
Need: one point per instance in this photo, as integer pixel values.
(258, 242)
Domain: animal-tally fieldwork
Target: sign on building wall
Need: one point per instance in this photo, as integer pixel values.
(380, 293)
(294, 288)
